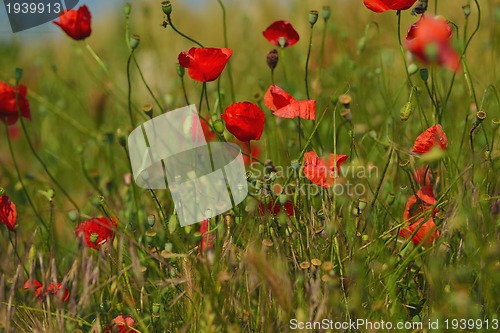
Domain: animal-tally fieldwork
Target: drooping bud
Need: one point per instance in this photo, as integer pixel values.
(272, 59)
(313, 17)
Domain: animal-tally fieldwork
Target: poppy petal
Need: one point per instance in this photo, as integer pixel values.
(303, 109)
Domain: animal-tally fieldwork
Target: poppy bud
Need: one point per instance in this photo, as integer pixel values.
(2, 191)
(266, 200)
(148, 110)
(166, 6)
(313, 17)
(405, 111)
(219, 126)
(134, 41)
(272, 59)
(127, 9)
(295, 164)
(18, 74)
(326, 12)
(180, 70)
(412, 69)
(424, 74)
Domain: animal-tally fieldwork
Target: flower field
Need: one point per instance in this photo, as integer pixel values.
(362, 193)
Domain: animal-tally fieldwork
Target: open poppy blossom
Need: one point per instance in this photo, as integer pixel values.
(379, 6)
(415, 208)
(35, 284)
(96, 231)
(281, 33)
(76, 23)
(204, 64)
(429, 40)
(207, 240)
(422, 176)
(244, 120)
(433, 136)
(285, 106)
(318, 172)
(121, 324)
(8, 212)
(8, 105)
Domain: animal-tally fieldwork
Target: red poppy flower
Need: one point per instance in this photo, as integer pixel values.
(35, 284)
(379, 6)
(8, 212)
(316, 170)
(54, 288)
(422, 176)
(276, 208)
(8, 105)
(57, 289)
(414, 210)
(244, 120)
(429, 40)
(100, 227)
(204, 64)
(281, 30)
(285, 106)
(433, 136)
(75, 23)
(426, 234)
(121, 324)
(207, 241)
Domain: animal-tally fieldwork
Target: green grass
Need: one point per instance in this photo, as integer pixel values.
(332, 260)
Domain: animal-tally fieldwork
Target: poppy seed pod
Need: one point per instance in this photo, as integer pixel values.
(166, 6)
(148, 110)
(480, 116)
(272, 59)
(313, 17)
(134, 41)
(326, 12)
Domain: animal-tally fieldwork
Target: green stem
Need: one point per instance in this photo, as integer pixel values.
(169, 20)
(229, 71)
(129, 90)
(184, 91)
(307, 62)
(30, 144)
(146, 84)
(19, 177)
